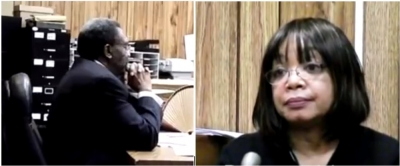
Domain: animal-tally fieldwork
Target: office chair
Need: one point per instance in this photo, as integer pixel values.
(22, 136)
(178, 111)
(5, 152)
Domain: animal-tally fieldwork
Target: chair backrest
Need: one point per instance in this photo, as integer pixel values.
(5, 153)
(23, 138)
(179, 110)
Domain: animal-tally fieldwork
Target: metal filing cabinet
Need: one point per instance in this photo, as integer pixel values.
(48, 55)
(10, 45)
(73, 51)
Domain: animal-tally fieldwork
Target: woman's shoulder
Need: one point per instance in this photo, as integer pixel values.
(375, 147)
(378, 140)
(249, 136)
(245, 141)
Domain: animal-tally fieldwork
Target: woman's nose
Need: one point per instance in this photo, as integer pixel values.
(294, 81)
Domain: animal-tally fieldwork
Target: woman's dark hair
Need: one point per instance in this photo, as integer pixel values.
(350, 105)
(95, 34)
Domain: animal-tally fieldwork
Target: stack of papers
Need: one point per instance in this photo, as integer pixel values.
(183, 144)
(211, 132)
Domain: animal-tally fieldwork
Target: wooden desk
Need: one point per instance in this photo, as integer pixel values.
(160, 156)
(208, 149)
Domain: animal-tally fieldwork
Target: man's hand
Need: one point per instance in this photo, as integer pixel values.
(139, 78)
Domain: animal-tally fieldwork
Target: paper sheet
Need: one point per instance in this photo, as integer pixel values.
(183, 144)
(200, 131)
(185, 151)
(190, 47)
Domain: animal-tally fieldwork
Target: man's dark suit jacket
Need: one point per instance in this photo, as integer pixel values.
(95, 121)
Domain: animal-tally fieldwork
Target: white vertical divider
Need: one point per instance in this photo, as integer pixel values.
(194, 80)
(359, 30)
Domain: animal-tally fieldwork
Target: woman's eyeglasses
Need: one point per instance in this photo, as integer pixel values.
(307, 71)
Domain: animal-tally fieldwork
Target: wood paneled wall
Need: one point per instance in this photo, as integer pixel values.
(216, 64)
(166, 21)
(381, 59)
(231, 38)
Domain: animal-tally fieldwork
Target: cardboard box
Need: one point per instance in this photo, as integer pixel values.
(7, 8)
(25, 12)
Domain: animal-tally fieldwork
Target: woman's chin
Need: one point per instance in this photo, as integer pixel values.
(299, 117)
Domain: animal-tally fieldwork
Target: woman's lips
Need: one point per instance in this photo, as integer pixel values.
(297, 103)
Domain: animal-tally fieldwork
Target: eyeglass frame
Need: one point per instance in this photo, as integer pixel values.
(288, 72)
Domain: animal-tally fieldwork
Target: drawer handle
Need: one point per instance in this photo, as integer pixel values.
(48, 91)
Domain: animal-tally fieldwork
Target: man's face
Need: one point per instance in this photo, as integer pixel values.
(119, 53)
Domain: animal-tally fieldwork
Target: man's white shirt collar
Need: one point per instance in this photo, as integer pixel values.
(98, 62)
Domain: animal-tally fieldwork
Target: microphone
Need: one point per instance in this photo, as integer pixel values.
(251, 158)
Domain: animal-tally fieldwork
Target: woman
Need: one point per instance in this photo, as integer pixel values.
(311, 102)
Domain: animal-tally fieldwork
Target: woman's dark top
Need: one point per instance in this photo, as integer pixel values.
(363, 146)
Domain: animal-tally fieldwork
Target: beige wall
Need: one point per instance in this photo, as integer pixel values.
(7, 8)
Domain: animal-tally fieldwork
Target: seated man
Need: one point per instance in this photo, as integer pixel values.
(94, 120)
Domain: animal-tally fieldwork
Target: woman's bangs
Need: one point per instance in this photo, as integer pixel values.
(304, 46)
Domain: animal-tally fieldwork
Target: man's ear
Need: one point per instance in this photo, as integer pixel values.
(107, 51)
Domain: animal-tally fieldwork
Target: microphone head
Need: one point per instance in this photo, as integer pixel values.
(251, 158)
